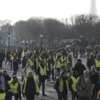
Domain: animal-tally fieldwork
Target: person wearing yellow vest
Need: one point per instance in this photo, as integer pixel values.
(57, 65)
(49, 68)
(72, 85)
(41, 71)
(36, 63)
(31, 61)
(2, 92)
(63, 61)
(11, 57)
(14, 88)
(97, 64)
(68, 68)
(30, 87)
(75, 55)
(26, 70)
(61, 86)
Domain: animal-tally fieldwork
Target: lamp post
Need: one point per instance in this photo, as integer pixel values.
(41, 40)
(81, 39)
(8, 40)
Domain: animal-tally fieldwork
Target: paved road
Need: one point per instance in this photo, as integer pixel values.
(52, 95)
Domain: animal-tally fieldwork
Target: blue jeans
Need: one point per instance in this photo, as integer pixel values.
(15, 72)
(62, 97)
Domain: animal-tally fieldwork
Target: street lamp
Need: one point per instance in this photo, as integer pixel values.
(81, 38)
(8, 40)
(41, 40)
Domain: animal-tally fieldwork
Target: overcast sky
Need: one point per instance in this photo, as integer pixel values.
(23, 9)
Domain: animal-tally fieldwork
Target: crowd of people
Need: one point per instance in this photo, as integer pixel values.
(62, 66)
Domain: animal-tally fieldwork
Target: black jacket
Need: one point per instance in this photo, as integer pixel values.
(95, 91)
(38, 73)
(2, 56)
(7, 78)
(24, 62)
(15, 65)
(79, 68)
(30, 87)
(65, 90)
(90, 63)
(94, 77)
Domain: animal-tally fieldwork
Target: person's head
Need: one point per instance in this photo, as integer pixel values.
(79, 61)
(0, 84)
(86, 73)
(69, 64)
(29, 74)
(93, 68)
(14, 79)
(64, 73)
(75, 73)
(90, 56)
(4, 73)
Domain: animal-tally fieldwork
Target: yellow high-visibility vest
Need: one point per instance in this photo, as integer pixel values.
(11, 56)
(97, 63)
(36, 85)
(62, 60)
(43, 71)
(14, 87)
(74, 83)
(2, 96)
(61, 84)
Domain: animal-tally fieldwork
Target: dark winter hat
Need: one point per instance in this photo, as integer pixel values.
(79, 60)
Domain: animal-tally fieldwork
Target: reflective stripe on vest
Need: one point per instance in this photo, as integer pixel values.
(97, 63)
(74, 83)
(43, 71)
(14, 88)
(36, 85)
(61, 84)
